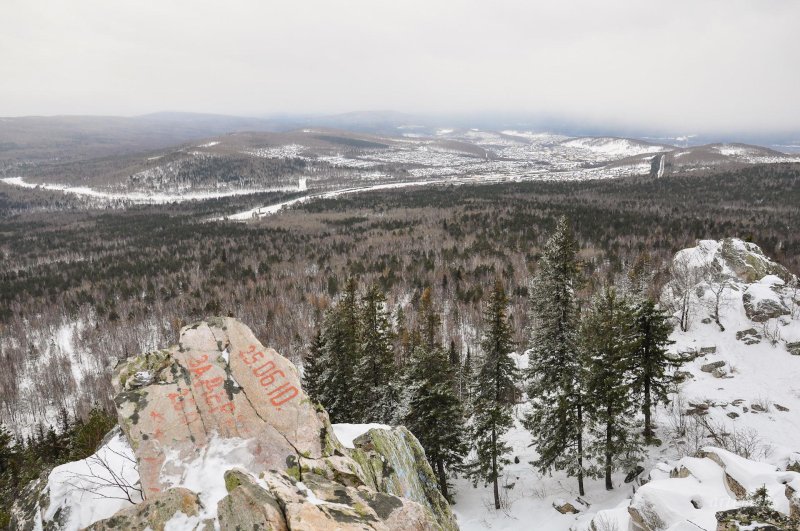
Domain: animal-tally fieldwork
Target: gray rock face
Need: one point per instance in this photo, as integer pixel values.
(389, 459)
(763, 310)
(751, 336)
(709, 367)
(33, 498)
(748, 261)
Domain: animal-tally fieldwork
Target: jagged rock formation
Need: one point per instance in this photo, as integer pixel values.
(223, 435)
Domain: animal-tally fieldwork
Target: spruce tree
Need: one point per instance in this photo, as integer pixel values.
(555, 370)
(429, 320)
(650, 364)
(608, 337)
(314, 368)
(434, 413)
(7, 450)
(340, 337)
(376, 372)
(455, 365)
(494, 392)
(465, 392)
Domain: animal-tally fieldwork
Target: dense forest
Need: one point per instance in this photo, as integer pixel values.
(115, 282)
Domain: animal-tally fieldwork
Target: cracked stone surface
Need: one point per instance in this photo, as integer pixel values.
(219, 381)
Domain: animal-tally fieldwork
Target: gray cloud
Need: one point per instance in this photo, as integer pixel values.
(687, 65)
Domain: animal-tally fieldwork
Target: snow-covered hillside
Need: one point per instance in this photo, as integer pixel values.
(620, 147)
(740, 391)
(326, 160)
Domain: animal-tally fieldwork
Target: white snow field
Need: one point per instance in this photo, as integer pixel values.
(150, 198)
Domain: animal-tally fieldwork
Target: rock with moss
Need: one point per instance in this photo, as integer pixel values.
(219, 402)
(395, 463)
(155, 512)
(761, 518)
(749, 262)
(248, 506)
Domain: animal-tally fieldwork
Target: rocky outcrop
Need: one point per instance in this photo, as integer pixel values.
(748, 261)
(155, 512)
(221, 417)
(218, 381)
(389, 459)
(714, 491)
(279, 502)
(761, 310)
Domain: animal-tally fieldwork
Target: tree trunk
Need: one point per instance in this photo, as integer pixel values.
(494, 469)
(580, 452)
(609, 484)
(648, 428)
(442, 478)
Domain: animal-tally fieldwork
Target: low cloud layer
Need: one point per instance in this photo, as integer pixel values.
(682, 65)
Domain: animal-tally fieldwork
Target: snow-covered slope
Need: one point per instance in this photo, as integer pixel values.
(741, 383)
(619, 147)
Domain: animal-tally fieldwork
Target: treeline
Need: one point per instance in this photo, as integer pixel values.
(595, 371)
(26, 459)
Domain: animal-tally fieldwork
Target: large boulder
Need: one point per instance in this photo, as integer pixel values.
(154, 513)
(217, 382)
(224, 437)
(763, 300)
(748, 262)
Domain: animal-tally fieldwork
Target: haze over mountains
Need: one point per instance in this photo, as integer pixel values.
(173, 156)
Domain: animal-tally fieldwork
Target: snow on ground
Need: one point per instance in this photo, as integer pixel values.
(272, 209)
(347, 433)
(152, 198)
(205, 474)
(620, 147)
(755, 376)
(94, 488)
(527, 496)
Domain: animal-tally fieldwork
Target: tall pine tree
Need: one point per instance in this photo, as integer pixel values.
(314, 368)
(555, 370)
(376, 372)
(650, 364)
(494, 391)
(340, 336)
(434, 413)
(608, 337)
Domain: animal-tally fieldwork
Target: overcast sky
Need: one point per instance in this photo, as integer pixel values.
(682, 65)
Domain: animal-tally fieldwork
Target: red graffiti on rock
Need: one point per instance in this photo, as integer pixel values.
(269, 376)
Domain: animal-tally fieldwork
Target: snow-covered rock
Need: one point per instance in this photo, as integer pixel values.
(700, 488)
